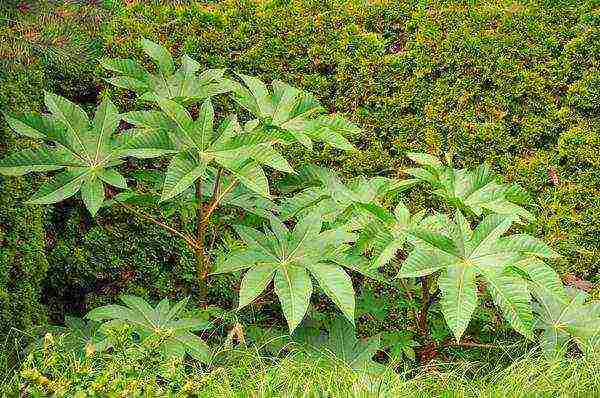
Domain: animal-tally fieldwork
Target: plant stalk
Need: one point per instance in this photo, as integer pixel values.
(201, 263)
(422, 315)
(188, 239)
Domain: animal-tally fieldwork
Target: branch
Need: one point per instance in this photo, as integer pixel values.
(161, 224)
(422, 320)
(216, 200)
(472, 344)
(432, 298)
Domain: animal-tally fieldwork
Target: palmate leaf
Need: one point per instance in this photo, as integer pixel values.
(386, 233)
(292, 111)
(85, 150)
(33, 125)
(567, 318)
(477, 190)
(185, 168)
(343, 344)
(173, 130)
(289, 258)
(162, 322)
(320, 190)
(185, 85)
(464, 254)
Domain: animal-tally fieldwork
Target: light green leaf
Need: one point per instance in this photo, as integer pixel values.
(182, 120)
(294, 288)
(128, 83)
(487, 233)
(145, 144)
(43, 159)
(92, 194)
(307, 229)
(459, 298)
(76, 122)
(252, 176)
(265, 154)
(512, 296)
(106, 121)
(284, 100)
(255, 281)
(148, 119)
(160, 55)
(194, 346)
(34, 126)
(542, 276)
(261, 94)
(203, 126)
(60, 187)
(527, 245)
(239, 260)
(112, 177)
(127, 67)
(183, 170)
(419, 263)
(337, 285)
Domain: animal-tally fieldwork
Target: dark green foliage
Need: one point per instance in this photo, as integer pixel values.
(22, 261)
(510, 84)
(34, 48)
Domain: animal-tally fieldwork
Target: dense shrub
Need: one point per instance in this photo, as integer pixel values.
(510, 84)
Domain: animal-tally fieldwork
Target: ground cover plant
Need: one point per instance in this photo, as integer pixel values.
(181, 178)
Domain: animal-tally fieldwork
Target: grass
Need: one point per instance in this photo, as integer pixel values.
(529, 376)
(247, 373)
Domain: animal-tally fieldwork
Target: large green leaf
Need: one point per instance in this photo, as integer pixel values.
(294, 288)
(106, 121)
(337, 285)
(251, 175)
(463, 254)
(74, 119)
(290, 255)
(512, 296)
(293, 111)
(204, 125)
(60, 187)
(240, 260)
(43, 159)
(87, 150)
(148, 144)
(255, 281)
(92, 194)
(160, 55)
(34, 126)
(477, 190)
(183, 171)
(459, 297)
(185, 86)
(176, 337)
(571, 319)
(182, 122)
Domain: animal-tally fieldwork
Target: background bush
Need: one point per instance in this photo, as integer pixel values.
(515, 84)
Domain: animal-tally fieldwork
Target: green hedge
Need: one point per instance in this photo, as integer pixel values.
(515, 84)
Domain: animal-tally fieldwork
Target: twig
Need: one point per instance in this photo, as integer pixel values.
(472, 344)
(215, 202)
(422, 320)
(161, 224)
